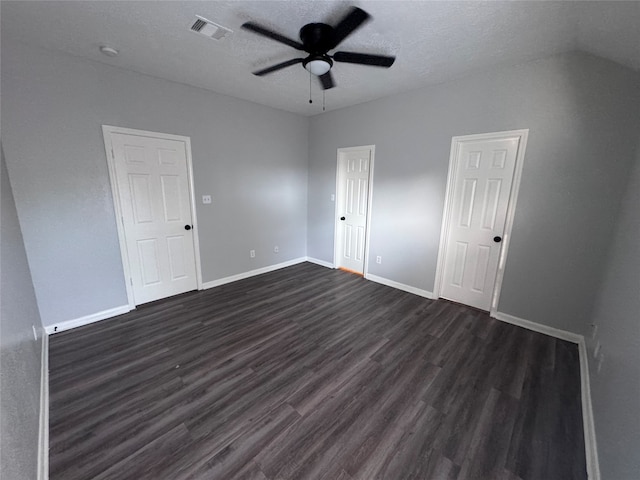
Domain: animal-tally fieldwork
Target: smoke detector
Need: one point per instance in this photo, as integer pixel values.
(210, 29)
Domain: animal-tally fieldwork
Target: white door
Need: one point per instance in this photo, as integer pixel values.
(354, 173)
(153, 188)
(479, 196)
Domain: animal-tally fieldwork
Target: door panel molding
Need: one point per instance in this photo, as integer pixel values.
(107, 132)
(337, 238)
(456, 144)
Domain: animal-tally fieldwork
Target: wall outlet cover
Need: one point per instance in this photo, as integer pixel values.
(206, 199)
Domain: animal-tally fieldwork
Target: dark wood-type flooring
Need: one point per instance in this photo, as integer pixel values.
(312, 373)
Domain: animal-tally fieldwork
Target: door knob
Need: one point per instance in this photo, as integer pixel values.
(342, 218)
(497, 239)
(187, 227)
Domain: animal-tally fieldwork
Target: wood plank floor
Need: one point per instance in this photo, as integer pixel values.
(312, 373)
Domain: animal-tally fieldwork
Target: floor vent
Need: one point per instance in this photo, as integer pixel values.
(210, 29)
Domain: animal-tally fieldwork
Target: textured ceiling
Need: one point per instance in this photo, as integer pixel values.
(433, 41)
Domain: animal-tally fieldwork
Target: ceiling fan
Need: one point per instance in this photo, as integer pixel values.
(317, 39)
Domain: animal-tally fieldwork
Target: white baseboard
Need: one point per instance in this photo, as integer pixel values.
(113, 312)
(322, 263)
(588, 426)
(399, 286)
(252, 273)
(591, 450)
(43, 436)
(537, 327)
(86, 320)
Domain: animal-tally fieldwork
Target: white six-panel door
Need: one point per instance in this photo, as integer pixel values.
(154, 196)
(354, 173)
(484, 172)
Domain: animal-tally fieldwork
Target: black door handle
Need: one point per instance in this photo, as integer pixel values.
(187, 227)
(342, 218)
(497, 239)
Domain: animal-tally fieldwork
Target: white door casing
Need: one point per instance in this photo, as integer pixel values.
(484, 176)
(353, 187)
(153, 193)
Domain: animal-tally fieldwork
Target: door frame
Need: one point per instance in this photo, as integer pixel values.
(337, 240)
(456, 143)
(107, 131)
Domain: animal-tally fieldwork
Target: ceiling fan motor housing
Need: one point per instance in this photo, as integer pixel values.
(317, 38)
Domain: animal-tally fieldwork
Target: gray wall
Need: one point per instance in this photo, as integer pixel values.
(20, 362)
(616, 389)
(583, 116)
(252, 159)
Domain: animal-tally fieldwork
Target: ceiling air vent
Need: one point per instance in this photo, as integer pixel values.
(209, 29)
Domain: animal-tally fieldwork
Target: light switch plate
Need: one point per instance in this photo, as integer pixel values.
(206, 199)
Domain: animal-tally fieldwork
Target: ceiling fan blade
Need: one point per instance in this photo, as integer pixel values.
(364, 59)
(265, 32)
(327, 81)
(279, 66)
(353, 20)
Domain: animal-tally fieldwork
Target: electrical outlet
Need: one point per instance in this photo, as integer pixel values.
(378, 259)
(276, 249)
(252, 253)
(206, 199)
(35, 333)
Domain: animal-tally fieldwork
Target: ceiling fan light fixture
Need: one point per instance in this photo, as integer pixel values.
(318, 65)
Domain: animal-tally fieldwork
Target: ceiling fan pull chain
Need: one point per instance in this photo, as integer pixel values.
(310, 101)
